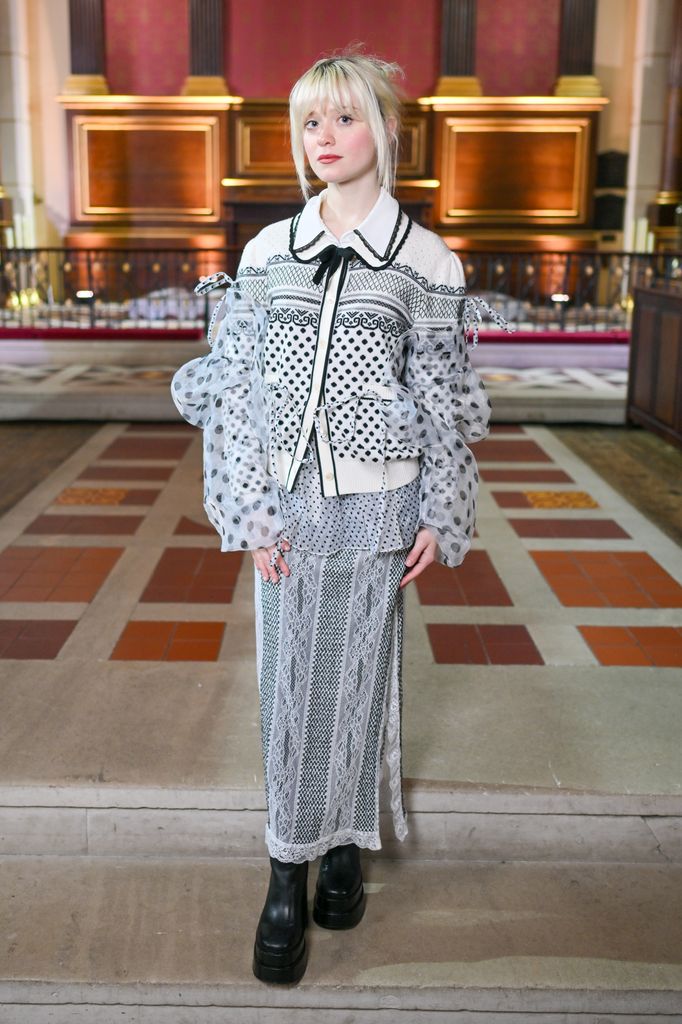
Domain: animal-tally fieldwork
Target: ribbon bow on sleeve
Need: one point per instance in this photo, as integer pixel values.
(471, 317)
(330, 258)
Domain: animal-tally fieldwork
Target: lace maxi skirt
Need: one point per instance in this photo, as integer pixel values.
(329, 656)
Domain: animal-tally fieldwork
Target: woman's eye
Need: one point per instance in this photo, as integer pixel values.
(347, 118)
(308, 124)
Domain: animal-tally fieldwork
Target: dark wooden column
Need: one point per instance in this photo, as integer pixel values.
(458, 49)
(666, 212)
(576, 49)
(206, 49)
(86, 27)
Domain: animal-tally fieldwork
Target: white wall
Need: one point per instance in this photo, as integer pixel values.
(49, 66)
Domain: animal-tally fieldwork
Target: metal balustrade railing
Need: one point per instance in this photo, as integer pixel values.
(535, 291)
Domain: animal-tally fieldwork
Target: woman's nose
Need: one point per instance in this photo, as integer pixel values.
(326, 134)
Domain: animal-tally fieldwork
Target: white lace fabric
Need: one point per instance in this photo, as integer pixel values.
(329, 654)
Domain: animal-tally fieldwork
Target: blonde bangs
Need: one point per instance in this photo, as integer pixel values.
(340, 81)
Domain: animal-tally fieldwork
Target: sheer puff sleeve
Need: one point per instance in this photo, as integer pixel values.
(451, 410)
(222, 393)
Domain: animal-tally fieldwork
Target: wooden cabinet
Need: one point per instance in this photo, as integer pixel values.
(655, 376)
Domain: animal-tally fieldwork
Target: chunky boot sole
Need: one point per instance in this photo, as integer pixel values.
(284, 968)
(340, 912)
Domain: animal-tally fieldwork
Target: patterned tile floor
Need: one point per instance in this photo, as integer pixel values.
(78, 376)
(611, 570)
(568, 597)
(115, 391)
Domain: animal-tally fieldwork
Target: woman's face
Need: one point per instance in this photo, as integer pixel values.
(339, 145)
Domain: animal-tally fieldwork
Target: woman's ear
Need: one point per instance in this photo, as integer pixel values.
(391, 125)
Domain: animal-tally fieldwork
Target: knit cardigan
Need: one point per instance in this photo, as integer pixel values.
(359, 348)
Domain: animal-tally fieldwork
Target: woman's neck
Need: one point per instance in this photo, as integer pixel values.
(345, 206)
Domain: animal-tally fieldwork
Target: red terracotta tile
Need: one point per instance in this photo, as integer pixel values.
(139, 650)
(209, 595)
(54, 574)
(511, 499)
(504, 634)
(605, 634)
(157, 448)
(34, 578)
(193, 650)
(620, 654)
(73, 594)
(600, 529)
(620, 580)
(510, 451)
(530, 476)
(661, 636)
(475, 582)
(169, 641)
(460, 644)
(33, 638)
(84, 524)
(514, 654)
(127, 473)
(21, 593)
(159, 428)
(196, 575)
(141, 496)
(138, 629)
(453, 644)
(199, 631)
(664, 656)
(189, 527)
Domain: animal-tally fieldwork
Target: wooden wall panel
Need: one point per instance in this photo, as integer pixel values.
(486, 171)
(514, 170)
(655, 372)
(171, 169)
(164, 168)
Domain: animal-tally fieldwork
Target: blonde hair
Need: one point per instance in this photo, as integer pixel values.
(342, 79)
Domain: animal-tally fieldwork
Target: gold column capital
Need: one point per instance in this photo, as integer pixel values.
(458, 85)
(205, 85)
(86, 85)
(578, 85)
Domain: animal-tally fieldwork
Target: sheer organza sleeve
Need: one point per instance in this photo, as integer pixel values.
(222, 393)
(451, 411)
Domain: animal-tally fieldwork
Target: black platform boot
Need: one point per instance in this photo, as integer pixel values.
(339, 895)
(280, 953)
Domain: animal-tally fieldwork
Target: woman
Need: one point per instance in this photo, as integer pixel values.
(336, 405)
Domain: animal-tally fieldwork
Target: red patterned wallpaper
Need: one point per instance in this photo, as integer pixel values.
(268, 47)
(147, 46)
(517, 46)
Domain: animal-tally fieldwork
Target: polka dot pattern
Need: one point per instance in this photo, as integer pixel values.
(398, 383)
(371, 521)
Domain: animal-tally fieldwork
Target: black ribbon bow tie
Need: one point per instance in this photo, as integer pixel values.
(330, 258)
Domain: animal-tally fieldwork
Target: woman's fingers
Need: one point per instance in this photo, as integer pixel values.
(422, 554)
(262, 556)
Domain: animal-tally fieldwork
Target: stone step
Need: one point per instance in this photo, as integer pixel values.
(448, 822)
(169, 941)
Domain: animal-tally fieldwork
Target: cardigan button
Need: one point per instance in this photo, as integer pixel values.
(329, 476)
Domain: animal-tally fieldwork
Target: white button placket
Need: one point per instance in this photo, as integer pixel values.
(333, 285)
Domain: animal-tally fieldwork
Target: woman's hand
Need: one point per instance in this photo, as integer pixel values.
(261, 557)
(422, 553)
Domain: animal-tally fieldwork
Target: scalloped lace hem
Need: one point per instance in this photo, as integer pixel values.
(296, 853)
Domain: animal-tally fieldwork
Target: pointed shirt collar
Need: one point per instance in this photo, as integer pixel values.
(376, 240)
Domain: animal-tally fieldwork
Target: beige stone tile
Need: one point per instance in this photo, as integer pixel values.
(486, 937)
